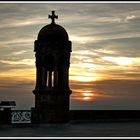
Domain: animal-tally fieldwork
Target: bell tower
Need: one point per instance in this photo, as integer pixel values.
(52, 51)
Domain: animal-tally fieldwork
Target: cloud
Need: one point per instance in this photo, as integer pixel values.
(128, 18)
(122, 60)
(19, 52)
(22, 22)
(82, 40)
(19, 62)
(119, 19)
(14, 40)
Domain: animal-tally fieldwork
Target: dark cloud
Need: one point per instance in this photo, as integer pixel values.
(128, 47)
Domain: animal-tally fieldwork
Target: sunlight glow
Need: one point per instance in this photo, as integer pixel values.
(85, 65)
(120, 60)
(84, 52)
(82, 78)
(19, 74)
(87, 93)
(104, 51)
(87, 96)
(84, 72)
(82, 39)
(19, 62)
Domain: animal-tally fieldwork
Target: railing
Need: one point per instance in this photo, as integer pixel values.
(21, 116)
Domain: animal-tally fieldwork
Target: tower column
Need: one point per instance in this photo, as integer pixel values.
(66, 77)
(39, 77)
(55, 78)
(44, 77)
(60, 78)
(50, 79)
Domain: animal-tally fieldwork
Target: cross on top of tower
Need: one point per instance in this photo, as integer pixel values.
(53, 16)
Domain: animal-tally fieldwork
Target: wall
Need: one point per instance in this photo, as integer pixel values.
(105, 115)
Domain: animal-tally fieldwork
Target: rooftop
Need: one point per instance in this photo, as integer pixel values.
(7, 104)
(72, 129)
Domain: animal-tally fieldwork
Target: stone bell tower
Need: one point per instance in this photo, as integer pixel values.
(52, 51)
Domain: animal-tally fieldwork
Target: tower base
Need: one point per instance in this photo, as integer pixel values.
(51, 106)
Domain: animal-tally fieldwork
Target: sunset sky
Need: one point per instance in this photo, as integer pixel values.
(105, 59)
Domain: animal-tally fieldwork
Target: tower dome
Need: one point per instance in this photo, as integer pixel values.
(53, 32)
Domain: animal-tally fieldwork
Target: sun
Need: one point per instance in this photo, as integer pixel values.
(84, 95)
(88, 96)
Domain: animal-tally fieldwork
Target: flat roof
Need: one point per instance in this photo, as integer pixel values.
(7, 104)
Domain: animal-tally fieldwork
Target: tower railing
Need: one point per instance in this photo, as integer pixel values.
(20, 116)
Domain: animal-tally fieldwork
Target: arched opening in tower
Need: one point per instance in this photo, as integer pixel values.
(49, 75)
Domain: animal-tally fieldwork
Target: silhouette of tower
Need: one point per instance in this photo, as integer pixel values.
(52, 51)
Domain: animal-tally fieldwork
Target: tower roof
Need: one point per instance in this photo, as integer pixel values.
(53, 31)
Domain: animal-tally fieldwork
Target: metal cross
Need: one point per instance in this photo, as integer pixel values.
(53, 16)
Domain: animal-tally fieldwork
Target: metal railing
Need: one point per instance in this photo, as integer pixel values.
(21, 116)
